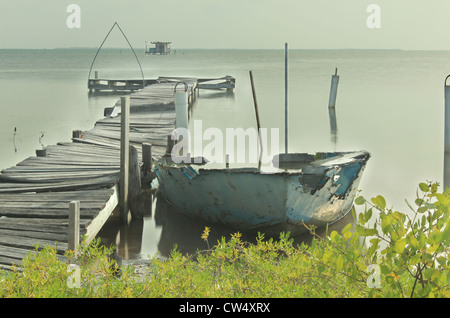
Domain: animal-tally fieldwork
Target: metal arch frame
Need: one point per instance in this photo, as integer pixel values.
(101, 45)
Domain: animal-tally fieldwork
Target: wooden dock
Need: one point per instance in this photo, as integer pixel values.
(35, 194)
(99, 84)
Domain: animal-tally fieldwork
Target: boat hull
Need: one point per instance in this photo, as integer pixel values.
(247, 199)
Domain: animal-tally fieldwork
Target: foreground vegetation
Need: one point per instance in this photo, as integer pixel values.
(386, 254)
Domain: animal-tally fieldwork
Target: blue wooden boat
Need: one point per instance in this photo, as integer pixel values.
(307, 189)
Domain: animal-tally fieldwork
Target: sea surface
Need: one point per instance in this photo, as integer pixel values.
(390, 103)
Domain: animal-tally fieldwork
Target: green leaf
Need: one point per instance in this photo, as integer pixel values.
(379, 201)
(422, 209)
(400, 246)
(414, 242)
(434, 188)
(415, 259)
(419, 202)
(339, 263)
(385, 269)
(424, 187)
(428, 272)
(409, 205)
(386, 221)
(360, 200)
(334, 236)
(347, 228)
(327, 255)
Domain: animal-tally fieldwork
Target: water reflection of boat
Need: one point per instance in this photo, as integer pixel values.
(184, 232)
(315, 190)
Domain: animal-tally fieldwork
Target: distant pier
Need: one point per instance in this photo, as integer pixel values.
(101, 85)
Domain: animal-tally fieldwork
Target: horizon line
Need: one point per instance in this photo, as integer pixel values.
(229, 49)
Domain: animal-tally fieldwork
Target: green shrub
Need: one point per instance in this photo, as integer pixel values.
(396, 255)
(414, 260)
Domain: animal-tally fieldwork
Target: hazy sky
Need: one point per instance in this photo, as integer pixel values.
(246, 24)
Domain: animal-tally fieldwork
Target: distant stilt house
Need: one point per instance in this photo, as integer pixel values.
(161, 48)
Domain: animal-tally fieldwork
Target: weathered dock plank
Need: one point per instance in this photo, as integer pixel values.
(35, 194)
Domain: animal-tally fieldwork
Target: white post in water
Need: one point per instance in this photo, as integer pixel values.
(333, 89)
(182, 116)
(124, 157)
(447, 117)
(447, 135)
(181, 108)
(286, 97)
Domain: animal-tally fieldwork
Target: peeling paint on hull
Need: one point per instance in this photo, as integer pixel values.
(320, 192)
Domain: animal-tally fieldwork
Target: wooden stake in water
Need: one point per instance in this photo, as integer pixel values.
(74, 226)
(147, 158)
(286, 97)
(257, 120)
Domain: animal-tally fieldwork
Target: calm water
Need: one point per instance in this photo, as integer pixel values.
(390, 103)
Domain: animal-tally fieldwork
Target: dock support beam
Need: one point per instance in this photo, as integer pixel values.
(147, 158)
(333, 89)
(74, 226)
(135, 188)
(124, 158)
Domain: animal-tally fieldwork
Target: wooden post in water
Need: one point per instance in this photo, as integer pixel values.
(333, 89)
(124, 157)
(147, 158)
(76, 134)
(135, 188)
(257, 120)
(41, 152)
(170, 144)
(286, 98)
(74, 226)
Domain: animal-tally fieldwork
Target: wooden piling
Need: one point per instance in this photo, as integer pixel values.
(170, 144)
(41, 152)
(134, 188)
(257, 120)
(286, 121)
(147, 158)
(74, 226)
(76, 134)
(124, 157)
